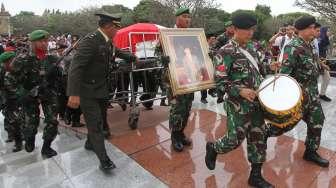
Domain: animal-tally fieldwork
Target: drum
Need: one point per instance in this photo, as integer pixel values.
(281, 98)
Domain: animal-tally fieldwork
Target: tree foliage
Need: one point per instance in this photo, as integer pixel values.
(326, 8)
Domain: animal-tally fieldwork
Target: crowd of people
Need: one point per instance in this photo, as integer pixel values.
(67, 76)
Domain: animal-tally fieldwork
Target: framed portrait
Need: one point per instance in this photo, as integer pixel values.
(190, 67)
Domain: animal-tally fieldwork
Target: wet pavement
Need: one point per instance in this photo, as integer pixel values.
(145, 158)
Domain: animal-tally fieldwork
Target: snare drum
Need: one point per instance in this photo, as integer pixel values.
(281, 100)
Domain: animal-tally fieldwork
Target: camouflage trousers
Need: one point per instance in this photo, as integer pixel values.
(180, 107)
(313, 116)
(14, 119)
(32, 116)
(244, 125)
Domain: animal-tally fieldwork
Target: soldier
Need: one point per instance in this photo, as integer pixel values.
(237, 73)
(88, 81)
(300, 62)
(224, 37)
(13, 109)
(180, 104)
(221, 41)
(10, 136)
(36, 72)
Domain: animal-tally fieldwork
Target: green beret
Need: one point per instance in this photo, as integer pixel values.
(181, 11)
(244, 20)
(38, 34)
(6, 56)
(105, 17)
(228, 24)
(304, 22)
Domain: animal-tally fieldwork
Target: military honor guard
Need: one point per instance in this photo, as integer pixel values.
(88, 81)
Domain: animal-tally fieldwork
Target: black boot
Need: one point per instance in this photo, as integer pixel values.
(313, 156)
(30, 144)
(18, 145)
(210, 156)
(10, 138)
(47, 151)
(176, 141)
(106, 165)
(256, 179)
(185, 141)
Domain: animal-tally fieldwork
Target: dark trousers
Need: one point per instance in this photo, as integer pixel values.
(94, 111)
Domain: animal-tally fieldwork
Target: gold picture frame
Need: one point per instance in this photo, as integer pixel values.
(190, 67)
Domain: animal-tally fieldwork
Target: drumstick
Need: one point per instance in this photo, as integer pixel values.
(275, 78)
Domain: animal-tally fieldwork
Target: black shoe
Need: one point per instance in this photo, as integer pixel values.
(256, 179)
(314, 157)
(204, 101)
(88, 146)
(106, 165)
(185, 141)
(210, 156)
(47, 151)
(325, 98)
(220, 100)
(212, 94)
(77, 124)
(176, 141)
(163, 103)
(30, 144)
(17, 146)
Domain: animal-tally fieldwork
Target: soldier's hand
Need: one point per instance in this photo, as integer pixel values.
(275, 66)
(74, 102)
(248, 94)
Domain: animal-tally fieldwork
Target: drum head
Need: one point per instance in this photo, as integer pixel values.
(285, 94)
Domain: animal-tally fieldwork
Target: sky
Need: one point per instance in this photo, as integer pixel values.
(38, 6)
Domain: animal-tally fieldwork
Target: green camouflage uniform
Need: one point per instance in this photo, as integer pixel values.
(180, 105)
(38, 79)
(301, 63)
(13, 111)
(222, 40)
(244, 119)
(3, 101)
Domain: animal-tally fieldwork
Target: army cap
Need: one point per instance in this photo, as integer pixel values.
(228, 24)
(6, 56)
(181, 11)
(304, 22)
(38, 35)
(244, 20)
(105, 17)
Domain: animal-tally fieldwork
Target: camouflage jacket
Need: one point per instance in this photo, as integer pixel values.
(222, 40)
(12, 89)
(233, 71)
(301, 63)
(32, 73)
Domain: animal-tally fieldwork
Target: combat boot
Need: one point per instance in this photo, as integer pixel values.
(18, 145)
(313, 156)
(256, 179)
(47, 151)
(30, 144)
(176, 141)
(210, 156)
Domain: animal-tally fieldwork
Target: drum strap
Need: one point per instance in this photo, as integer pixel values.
(250, 58)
